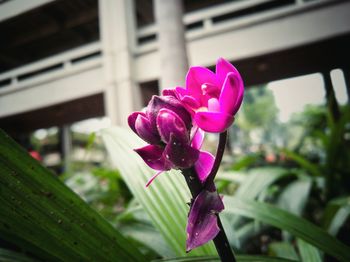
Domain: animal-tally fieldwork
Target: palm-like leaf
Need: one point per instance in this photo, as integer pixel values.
(39, 213)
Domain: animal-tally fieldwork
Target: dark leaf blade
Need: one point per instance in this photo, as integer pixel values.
(12, 256)
(297, 226)
(38, 211)
(240, 258)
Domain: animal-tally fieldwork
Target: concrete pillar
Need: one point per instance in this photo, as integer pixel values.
(117, 32)
(172, 44)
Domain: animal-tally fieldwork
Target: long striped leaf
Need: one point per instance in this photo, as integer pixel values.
(308, 252)
(39, 213)
(164, 201)
(12, 256)
(297, 226)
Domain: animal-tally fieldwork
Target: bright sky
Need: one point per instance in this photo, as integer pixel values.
(291, 95)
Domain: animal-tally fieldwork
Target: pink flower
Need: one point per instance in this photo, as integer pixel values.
(213, 99)
(166, 126)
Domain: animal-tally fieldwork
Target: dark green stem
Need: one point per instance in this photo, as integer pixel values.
(218, 158)
(221, 242)
(332, 103)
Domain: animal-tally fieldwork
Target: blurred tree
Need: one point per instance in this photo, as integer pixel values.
(259, 110)
(257, 121)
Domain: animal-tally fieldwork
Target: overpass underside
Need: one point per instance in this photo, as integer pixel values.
(287, 41)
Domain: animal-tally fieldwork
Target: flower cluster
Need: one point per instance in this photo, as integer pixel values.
(166, 126)
(173, 125)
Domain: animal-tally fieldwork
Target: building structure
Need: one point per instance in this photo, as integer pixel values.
(64, 61)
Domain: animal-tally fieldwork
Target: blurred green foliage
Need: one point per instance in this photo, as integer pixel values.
(280, 181)
(103, 188)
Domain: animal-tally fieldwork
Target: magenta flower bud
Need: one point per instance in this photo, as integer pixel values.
(212, 98)
(145, 131)
(202, 223)
(170, 123)
(153, 157)
(167, 102)
(181, 155)
(166, 126)
(139, 123)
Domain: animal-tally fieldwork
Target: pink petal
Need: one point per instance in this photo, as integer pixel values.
(145, 131)
(213, 105)
(169, 92)
(215, 122)
(190, 102)
(153, 177)
(210, 89)
(223, 67)
(196, 77)
(180, 155)
(204, 165)
(132, 120)
(181, 92)
(231, 93)
(167, 102)
(202, 220)
(198, 138)
(152, 155)
(239, 98)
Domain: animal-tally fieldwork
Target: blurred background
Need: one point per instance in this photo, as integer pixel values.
(71, 68)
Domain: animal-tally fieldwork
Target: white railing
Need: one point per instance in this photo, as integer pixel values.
(211, 20)
(201, 23)
(60, 65)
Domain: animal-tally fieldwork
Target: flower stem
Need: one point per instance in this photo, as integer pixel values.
(222, 245)
(219, 154)
(221, 242)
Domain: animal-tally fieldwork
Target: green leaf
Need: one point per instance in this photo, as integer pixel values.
(335, 214)
(39, 213)
(283, 249)
(295, 195)
(338, 220)
(297, 226)
(11, 256)
(231, 176)
(240, 258)
(246, 161)
(308, 252)
(164, 200)
(148, 236)
(303, 162)
(251, 186)
(135, 223)
(91, 141)
(258, 180)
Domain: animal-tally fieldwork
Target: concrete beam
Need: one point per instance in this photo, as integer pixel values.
(14, 8)
(243, 43)
(85, 83)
